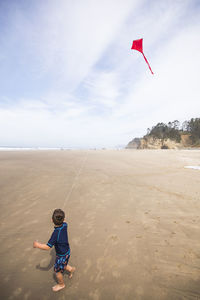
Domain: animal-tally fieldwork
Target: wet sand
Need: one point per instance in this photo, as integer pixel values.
(134, 219)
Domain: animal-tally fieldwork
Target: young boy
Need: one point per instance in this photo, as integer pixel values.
(59, 239)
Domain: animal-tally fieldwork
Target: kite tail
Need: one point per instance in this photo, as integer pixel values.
(147, 63)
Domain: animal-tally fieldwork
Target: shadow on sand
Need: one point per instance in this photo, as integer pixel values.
(51, 263)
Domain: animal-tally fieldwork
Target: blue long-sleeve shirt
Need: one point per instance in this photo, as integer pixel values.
(59, 239)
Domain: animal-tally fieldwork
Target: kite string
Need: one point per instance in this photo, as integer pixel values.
(147, 62)
(75, 179)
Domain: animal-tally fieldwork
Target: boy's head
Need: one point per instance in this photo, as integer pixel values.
(58, 216)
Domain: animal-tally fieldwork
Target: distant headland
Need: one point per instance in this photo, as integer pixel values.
(170, 136)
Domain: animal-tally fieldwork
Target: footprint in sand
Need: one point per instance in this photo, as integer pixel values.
(24, 269)
(138, 236)
(115, 226)
(179, 266)
(128, 222)
(28, 249)
(88, 265)
(114, 238)
(16, 293)
(76, 241)
(192, 254)
(94, 295)
(115, 274)
(27, 295)
(90, 233)
(7, 278)
(155, 268)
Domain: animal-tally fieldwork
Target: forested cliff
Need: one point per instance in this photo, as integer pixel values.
(170, 136)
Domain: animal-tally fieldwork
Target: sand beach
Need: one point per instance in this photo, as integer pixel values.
(133, 217)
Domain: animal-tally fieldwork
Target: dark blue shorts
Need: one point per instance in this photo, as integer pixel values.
(61, 262)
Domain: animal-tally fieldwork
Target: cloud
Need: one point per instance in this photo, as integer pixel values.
(102, 88)
(64, 40)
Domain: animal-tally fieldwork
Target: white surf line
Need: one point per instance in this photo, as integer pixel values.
(193, 167)
(76, 179)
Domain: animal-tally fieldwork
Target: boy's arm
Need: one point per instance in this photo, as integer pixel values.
(50, 243)
(40, 246)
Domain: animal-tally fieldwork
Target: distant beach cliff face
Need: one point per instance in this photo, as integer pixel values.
(156, 143)
(170, 136)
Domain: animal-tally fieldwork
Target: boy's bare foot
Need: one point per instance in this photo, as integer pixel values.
(71, 272)
(58, 287)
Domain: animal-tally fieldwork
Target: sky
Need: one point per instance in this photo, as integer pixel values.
(68, 76)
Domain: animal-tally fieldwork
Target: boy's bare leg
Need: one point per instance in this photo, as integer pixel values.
(60, 284)
(70, 270)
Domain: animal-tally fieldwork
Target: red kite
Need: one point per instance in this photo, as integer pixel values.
(137, 45)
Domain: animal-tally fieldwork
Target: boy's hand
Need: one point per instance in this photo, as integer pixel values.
(35, 244)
